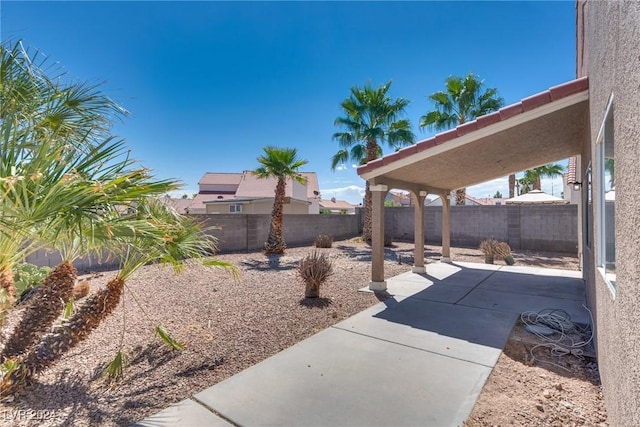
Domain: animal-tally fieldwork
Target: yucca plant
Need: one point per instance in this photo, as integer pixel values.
(314, 269)
(503, 250)
(488, 248)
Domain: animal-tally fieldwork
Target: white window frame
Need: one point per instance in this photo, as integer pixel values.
(598, 171)
(235, 208)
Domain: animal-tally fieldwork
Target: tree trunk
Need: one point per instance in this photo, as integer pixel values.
(537, 185)
(368, 212)
(512, 185)
(42, 309)
(372, 154)
(275, 243)
(8, 284)
(461, 195)
(55, 345)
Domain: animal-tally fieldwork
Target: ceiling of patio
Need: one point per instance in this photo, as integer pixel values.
(540, 129)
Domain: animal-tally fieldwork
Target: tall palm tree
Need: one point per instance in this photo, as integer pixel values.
(282, 164)
(371, 118)
(464, 100)
(550, 170)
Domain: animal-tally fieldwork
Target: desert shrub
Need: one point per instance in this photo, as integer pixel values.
(323, 241)
(503, 250)
(28, 276)
(488, 248)
(314, 269)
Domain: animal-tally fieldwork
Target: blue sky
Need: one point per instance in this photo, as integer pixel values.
(208, 84)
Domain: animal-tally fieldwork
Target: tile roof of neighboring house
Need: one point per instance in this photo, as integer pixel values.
(551, 95)
(180, 205)
(336, 204)
(252, 186)
(198, 201)
(571, 170)
(220, 178)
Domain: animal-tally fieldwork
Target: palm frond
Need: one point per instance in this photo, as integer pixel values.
(166, 337)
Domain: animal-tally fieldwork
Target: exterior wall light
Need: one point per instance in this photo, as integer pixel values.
(577, 186)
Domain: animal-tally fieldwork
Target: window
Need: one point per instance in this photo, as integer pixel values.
(235, 208)
(606, 191)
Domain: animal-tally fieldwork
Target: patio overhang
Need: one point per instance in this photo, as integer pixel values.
(540, 129)
(543, 128)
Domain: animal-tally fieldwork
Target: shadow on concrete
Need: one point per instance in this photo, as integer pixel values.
(478, 305)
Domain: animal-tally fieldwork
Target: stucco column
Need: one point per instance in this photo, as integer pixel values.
(418, 233)
(378, 193)
(446, 227)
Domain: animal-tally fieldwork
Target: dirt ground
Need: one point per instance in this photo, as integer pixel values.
(540, 390)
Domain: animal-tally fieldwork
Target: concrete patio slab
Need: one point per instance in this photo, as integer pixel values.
(467, 333)
(412, 284)
(540, 271)
(184, 413)
(340, 378)
(519, 303)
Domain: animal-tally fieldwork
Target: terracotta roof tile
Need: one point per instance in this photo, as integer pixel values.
(569, 88)
(536, 100)
(467, 128)
(446, 136)
(510, 111)
(488, 119)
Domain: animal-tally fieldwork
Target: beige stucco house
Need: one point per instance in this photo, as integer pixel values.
(594, 118)
(245, 193)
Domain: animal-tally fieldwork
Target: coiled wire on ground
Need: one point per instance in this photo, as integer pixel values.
(560, 334)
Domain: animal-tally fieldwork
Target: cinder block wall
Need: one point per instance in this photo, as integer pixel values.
(239, 232)
(537, 227)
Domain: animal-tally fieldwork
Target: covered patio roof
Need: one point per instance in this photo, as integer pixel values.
(542, 128)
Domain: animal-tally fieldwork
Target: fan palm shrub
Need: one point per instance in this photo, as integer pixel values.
(65, 184)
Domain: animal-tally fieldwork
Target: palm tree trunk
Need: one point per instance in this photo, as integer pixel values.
(537, 185)
(368, 212)
(372, 154)
(42, 309)
(275, 243)
(461, 195)
(512, 185)
(55, 345)
(8, 284)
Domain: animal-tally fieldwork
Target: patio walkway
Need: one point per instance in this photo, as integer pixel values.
(419, 358)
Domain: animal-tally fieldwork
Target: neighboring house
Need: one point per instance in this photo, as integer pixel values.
(337, 206)
(245, 193)
(593, 118)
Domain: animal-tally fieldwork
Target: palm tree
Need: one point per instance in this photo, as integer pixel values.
(282, 164)
(371, 118)
(547, 171)
(464, 100)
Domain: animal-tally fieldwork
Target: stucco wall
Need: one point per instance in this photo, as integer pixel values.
(538, 227)
(612, 62)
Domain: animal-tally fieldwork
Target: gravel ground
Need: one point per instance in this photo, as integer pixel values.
(226, 327)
